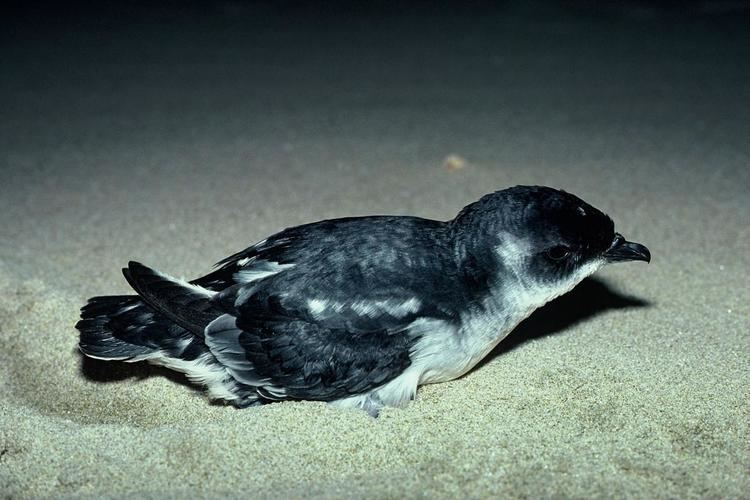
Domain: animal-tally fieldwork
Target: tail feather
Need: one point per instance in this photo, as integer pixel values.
(117, 328)
(125, 328)
(183, 303)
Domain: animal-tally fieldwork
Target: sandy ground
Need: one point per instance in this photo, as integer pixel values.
(180, 139)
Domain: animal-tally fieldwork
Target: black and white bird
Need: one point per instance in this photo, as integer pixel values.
(359, 311)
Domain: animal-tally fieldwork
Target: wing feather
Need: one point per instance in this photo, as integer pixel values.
(323, 311)
(297, 359)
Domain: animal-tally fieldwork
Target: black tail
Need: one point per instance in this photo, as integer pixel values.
(126, 328)
(123, 327)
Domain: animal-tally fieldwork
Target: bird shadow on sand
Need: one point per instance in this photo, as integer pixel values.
(114, 371)
(591, 297)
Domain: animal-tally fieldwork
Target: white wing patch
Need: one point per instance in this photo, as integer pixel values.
(318, 306)
(257, 270)
(321, 308)
(395, 308)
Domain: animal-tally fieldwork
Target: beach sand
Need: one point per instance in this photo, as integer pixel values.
(176, 139)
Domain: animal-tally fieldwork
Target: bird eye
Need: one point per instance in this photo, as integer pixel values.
(559, 252)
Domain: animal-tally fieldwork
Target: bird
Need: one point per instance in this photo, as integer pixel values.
(359, 311)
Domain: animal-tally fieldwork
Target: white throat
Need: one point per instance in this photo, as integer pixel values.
(520, 293)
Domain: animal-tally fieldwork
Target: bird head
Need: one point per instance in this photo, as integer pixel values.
(543, 239)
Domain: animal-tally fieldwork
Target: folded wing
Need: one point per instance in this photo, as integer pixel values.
(293, 347)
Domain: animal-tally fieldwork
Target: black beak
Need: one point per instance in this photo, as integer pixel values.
(623, 250)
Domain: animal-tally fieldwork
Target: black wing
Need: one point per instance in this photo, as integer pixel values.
(289, 357)
(375, 251)
(335, 322)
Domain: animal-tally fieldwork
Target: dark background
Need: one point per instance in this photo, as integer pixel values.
(178, 133)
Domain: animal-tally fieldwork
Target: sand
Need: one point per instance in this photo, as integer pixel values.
(177, 138)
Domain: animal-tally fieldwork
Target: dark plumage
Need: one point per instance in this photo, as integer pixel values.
(359, 311)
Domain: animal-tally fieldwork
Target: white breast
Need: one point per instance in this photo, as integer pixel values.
(446, 351)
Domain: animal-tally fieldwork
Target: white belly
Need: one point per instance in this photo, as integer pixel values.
(446, 352)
